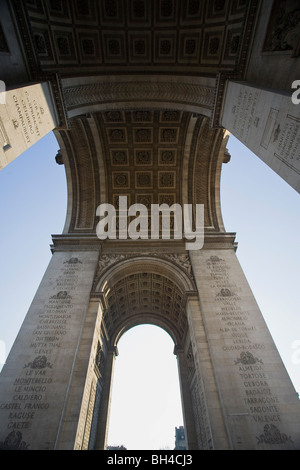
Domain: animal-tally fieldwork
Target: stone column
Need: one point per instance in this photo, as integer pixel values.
(78, 430)
(103, 420)
(207, 408)
(188, 414)
(26, 115)
(259, 404)
(268, 123)
(36, 380)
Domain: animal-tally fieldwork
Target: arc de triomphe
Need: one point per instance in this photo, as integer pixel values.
(142, 96)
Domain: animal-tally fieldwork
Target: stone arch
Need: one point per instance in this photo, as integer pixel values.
(113, 267)
(153, 319)
(147, 289)
(105, 156)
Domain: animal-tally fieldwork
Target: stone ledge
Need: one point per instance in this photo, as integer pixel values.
(90, 242)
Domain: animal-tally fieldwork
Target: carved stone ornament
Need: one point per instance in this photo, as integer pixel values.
(99, 362)
(225, 292)
(63, 294)
(272, 435)
(108, 260)
(214, 259)
(40, 362)
(284, 28)
(246, 358)
(181, 260)
(73, 261)
(13, 441)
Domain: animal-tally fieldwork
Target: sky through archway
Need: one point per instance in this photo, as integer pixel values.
(146, 403)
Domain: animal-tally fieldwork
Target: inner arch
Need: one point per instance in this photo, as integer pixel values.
(147, 290)
(146, 392)
(144, 297)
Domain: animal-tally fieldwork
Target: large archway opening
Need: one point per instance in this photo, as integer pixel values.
(136, 292)
(146, 403)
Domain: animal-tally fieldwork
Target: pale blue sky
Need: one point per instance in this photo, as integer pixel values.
(256, 203)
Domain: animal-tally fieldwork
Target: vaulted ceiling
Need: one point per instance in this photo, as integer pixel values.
(138, 88)
(145, 296)
(151, 156)
(90, 36)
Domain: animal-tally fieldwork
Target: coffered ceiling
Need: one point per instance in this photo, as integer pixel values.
(137, 83)
(144, 154)
(90, 36)
(143, 296)
(152, 156)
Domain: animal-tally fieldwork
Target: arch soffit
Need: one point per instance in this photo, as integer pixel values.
(207, 158)
(150, 319)
(85, 179)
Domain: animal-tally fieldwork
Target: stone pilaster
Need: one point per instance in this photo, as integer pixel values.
(207, 407)
(79, 429)
(37, 378)
(104, 412)
(260, 407)
(187, 408)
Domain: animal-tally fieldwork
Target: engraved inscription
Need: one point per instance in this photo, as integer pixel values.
(288, 142)
(37, 376)
(244, 112)
(29, 116)
(236, 330)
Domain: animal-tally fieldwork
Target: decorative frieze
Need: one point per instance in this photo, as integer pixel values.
(180, 259)
(168, 91)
